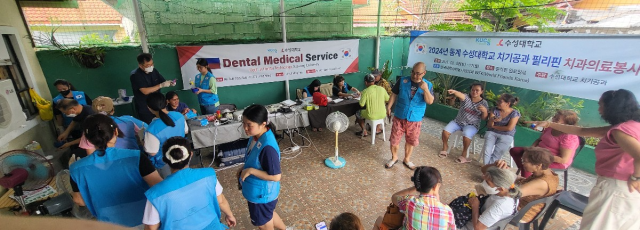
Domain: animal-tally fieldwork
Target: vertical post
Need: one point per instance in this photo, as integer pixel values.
(284, 40)
(140, 24)
(378, 35)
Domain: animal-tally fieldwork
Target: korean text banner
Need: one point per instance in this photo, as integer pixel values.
(259, 63)
(575, 65)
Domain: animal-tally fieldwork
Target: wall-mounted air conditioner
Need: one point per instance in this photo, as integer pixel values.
(11, 114)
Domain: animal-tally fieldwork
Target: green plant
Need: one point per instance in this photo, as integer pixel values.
(499, 15)
(87, 56)
(95, 39)
(452, 27)
(386, 70)
(593, 141)
(546, 105)
(446, 82)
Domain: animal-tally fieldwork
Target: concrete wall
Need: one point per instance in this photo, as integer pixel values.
(119, 61)
(193, 21)
(10, 16)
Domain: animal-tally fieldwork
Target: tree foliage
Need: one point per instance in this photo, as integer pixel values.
(452, 27)
(499, 15)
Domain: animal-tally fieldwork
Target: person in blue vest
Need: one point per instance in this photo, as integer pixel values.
(170, 124)
(207, 91)
(167, 207)
(260, 177)
(311, 88)
(412, 95)
(127, 124)
(111, 182)
(341, 88)
(66, 90)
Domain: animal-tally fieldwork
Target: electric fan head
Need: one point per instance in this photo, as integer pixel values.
(337, 121)
(39, 169)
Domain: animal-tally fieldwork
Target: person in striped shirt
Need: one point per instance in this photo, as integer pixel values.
(421, 203)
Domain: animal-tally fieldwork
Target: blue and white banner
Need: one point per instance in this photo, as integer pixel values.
(583, 66)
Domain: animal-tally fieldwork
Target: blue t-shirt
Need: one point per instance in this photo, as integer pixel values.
(270, 161)
(180, 109)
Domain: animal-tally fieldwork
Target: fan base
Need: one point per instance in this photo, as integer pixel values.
(329, 162)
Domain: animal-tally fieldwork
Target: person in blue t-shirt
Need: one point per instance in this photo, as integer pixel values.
(174, 104)
(260, 177)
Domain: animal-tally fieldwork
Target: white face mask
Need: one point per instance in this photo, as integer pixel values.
(148, 69)
(488, 189)
(71, 115)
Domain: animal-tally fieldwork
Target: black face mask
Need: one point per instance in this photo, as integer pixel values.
(65, 93)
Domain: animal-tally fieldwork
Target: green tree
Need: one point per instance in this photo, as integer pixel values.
(499, 15)
(452, 27)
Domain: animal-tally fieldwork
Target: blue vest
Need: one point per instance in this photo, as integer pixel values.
(187, 200)
(163, 132)
(111, 185)
(254, 189)
(127, 125)
(306, 89)
(206, 98)
(407, 108)
(78, 96)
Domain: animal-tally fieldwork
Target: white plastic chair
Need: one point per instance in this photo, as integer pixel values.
(458, 135)
(373, 124)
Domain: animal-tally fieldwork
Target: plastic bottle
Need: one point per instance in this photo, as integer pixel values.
(218, 114)
(35, 147)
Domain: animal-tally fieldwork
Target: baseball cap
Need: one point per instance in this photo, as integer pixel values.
(369, 78)
(376, 72)
(103, 105)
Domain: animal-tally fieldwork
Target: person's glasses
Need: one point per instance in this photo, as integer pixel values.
(416, 73)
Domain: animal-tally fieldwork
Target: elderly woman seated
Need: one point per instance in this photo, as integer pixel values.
(421, 203)
(561, 145)
(543, 181)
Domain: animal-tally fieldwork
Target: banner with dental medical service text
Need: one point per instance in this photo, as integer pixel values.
(258, 63)
(583, 66)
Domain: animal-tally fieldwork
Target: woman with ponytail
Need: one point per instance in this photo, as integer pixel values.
(170, 124)
(111, 182)
(167, 207)
(502, 202)
(260, 177)
(207, 90)
(421, 203)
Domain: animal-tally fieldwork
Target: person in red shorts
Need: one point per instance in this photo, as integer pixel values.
(412, 95)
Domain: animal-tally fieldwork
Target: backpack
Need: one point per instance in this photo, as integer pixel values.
(320, 99)
(462, 210)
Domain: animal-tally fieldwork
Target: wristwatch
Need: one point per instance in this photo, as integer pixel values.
(634, 178)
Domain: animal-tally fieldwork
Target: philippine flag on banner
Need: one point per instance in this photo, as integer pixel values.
(214, 63)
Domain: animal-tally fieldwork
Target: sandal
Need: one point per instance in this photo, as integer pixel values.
(314, 129)
(319, 129)
(360, 134)
(443, 154)
(409, 165)
(390, 163)
(462, 160)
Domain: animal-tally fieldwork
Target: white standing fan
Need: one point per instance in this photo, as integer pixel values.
(336, 122)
